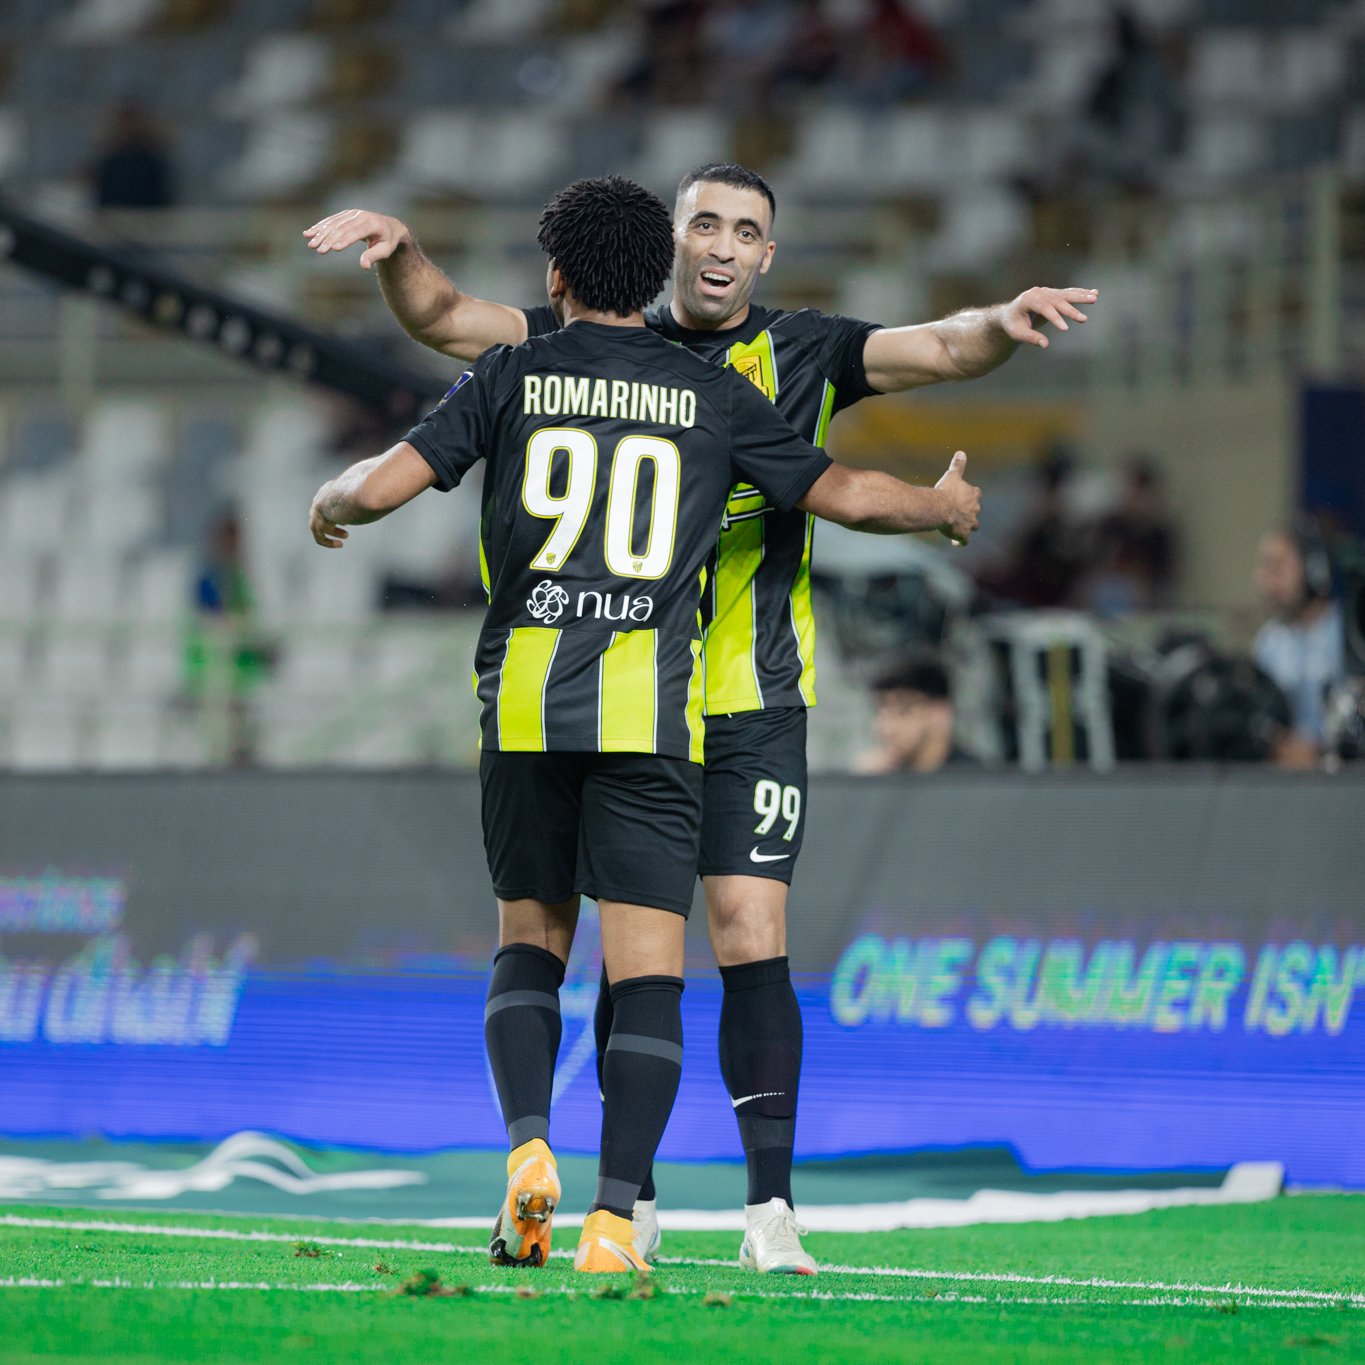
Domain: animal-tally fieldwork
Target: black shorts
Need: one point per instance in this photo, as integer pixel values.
(620, 827)
(754, 808)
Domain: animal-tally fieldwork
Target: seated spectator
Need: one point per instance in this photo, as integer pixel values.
(133, 171)
(1301, 645)
(226, 658)
(669, 66)
(1047, 553)
(1134, 546)
(810, 55)
(895, 54)
(913, 721)
(1133, 116)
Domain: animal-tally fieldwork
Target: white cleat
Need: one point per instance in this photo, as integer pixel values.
(772, 1241)
(644, 1220)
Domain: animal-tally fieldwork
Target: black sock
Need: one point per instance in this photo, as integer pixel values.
(640, 1072)
(521, 1027)
(760, 1062)
(601, 1030)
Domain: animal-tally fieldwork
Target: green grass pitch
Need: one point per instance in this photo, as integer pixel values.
(1275, 1281)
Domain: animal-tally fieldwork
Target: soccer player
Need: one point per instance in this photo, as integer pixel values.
(760, 631)
(610, 457)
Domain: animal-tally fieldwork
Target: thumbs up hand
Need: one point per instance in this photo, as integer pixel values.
(963, 501)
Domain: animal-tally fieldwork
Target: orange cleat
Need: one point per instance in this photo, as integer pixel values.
(521, 1234)
(607, 1245)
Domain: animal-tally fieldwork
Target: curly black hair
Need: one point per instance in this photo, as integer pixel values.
(728, 173)
(612, 240)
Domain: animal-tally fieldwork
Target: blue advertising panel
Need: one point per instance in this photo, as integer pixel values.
(1156, 972)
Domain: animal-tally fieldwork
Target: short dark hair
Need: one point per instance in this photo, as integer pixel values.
(728, 173)
(612, 240)
(922, 673)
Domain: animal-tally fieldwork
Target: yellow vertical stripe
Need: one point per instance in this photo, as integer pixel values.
(731, 677)
(629, 693)
(826, 412)
(803, 620)
(521, 688)
(696, 726)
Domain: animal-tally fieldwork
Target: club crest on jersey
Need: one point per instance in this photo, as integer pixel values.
(547, 601)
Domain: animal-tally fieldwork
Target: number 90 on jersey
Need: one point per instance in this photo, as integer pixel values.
(571, 508)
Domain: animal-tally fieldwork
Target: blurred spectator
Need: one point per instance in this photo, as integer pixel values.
(1300, 647)
(225, 656)
(913, 722)
(1133, 116)
(896, 55)
(744, 39)
(670, 66)
(1134, 549)
(1044, 564)
(810, 55)
(133, 170)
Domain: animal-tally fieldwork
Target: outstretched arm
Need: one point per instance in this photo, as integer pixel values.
(428, 306)
(866, 500)
(367, 491)
(969, 344)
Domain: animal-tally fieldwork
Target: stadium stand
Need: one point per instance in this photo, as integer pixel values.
(119, 448)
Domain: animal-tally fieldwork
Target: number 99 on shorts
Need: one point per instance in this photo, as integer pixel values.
(774, 802)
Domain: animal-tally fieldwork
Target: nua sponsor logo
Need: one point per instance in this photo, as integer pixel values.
(611, 606)
(548, 602)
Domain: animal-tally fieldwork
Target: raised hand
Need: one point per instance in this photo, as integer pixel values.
(1034, 308)
(381, 234)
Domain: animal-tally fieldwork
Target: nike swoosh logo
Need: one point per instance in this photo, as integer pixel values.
(762, 1095)
(756, 857)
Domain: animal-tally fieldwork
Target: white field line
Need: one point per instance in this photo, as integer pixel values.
(1306, 1296)
(816, 1295)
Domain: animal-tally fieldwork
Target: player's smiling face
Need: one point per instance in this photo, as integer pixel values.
(723, 246)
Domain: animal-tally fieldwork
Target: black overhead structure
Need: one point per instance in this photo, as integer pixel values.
(124, 276)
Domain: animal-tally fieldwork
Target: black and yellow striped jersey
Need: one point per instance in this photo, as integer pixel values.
(610, 455)
(759, 626)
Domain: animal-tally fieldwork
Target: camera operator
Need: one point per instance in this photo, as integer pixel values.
(1300, 646)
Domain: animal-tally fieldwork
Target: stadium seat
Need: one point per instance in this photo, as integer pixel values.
(116, 518)
(977, 224)
(675, 140)
(491, 19)
(832, 151)
(1222, 146)
(13, 135)
(34, 512)
(1227, 66)
(284, 152)
(88, 587)
(912, 149)
(151, 662)
(455, 150)
(127, 734)
(159, 588)
(1307, 68)
(46, 735)
(281, 71)
(107, 21)
(13, 658)
(123, 438)
(43, 440)
(72, 660)
(336, 587)
(22, 577)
